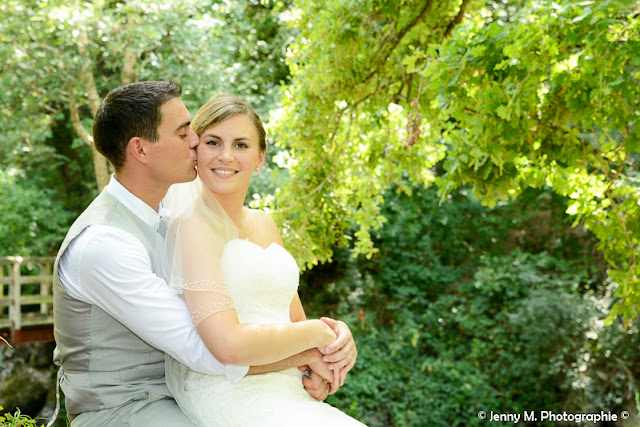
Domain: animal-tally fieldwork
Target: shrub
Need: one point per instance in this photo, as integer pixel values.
(451, 320)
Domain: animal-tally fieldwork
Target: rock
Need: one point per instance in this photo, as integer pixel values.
(36, 355)
(24, 388)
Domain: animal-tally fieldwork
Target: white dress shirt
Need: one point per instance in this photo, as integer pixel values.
(111, 269)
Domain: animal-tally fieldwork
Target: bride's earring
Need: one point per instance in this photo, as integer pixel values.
(257, 169)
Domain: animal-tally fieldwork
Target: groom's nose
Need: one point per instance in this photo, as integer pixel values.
(193, 139)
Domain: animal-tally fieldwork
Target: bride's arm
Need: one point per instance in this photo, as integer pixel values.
(210, 303)
(254, 344)
(305, 358)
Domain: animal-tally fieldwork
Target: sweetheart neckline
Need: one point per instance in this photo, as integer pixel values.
(254, 243)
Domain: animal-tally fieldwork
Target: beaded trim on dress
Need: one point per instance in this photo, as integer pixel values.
(222, 302)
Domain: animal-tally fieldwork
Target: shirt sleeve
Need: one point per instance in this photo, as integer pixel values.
(111, 269)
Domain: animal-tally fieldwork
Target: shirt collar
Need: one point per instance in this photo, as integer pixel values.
(134, 204)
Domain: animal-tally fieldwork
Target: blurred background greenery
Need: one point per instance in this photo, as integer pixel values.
(457, 180)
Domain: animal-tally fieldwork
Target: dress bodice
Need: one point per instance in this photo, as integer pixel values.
(261, 281)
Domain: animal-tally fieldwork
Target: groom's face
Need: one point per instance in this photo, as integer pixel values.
(173, 155)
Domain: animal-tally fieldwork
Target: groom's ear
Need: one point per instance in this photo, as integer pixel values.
(137, 150)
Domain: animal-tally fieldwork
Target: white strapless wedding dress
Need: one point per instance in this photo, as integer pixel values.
(262, 283)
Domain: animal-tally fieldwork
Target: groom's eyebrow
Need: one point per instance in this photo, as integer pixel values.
(182, 125)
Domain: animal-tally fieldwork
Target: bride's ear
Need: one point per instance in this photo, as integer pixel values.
(260, 161)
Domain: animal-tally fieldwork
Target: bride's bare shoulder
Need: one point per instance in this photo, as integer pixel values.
(260, 218)
(263, 225)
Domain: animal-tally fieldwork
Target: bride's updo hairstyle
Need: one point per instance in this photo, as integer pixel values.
(222, 107)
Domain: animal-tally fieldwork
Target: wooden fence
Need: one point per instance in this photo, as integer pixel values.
(26, 299)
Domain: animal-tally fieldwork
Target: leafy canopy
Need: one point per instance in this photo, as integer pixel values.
(531, 94)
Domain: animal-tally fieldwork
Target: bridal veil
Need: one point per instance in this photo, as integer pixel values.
(198, 232)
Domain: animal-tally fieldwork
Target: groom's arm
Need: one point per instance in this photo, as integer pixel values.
(107, 267)
(305, 358)
(318, 387)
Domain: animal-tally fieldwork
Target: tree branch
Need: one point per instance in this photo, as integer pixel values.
(130, 59)
(75, 118)
(399, 36)
(412, 24)
(457, 19)
(615, 178)
(87, 75)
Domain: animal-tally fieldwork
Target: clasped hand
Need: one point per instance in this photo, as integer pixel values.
(335, 362)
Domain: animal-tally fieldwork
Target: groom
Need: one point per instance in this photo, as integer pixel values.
(114, 315)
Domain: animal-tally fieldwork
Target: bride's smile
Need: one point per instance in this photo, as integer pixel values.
(224, 172)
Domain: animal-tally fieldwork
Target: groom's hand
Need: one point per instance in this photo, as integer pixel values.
(318, 387)
(342, 353)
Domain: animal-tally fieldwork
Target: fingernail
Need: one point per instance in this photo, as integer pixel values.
(325, 359)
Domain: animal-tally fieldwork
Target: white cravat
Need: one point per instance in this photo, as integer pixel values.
(111, 269)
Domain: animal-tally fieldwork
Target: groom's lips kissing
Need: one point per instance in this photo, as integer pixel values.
(224, 172)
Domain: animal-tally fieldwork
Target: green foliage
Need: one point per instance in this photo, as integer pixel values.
(16, 420)
(515, 95)
(426, 247)
(550, 98)
(342, 121)
(51, 51)
(59, 58)
(485, 330)
(43, 187)
(256, 39)
(33, 219)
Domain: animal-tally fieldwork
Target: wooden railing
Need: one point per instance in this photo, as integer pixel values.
(26, 298)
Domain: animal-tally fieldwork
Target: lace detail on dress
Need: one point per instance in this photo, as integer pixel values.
(223, 302)
(198, 285)
(204, 297)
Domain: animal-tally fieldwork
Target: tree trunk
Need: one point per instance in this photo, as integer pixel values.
(101, 169)
(130, 60)
(100, 164)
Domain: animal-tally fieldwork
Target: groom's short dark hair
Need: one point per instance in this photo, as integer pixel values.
(129, 111)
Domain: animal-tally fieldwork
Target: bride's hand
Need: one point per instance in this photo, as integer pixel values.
(326, 335)
(342, 353)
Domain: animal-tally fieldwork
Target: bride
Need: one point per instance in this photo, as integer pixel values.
(240, 285)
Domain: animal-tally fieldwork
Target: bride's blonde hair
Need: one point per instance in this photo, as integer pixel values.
(222, 107)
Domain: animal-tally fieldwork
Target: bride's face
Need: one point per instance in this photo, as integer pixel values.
(228, 154)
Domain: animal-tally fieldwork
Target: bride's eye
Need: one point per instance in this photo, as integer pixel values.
(241, 145)
(212, 142)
